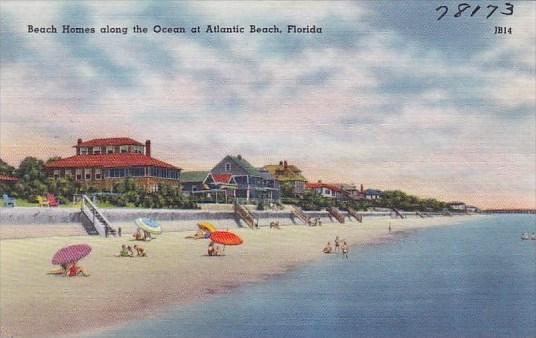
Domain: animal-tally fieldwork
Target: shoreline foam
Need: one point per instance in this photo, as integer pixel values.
(177, 271)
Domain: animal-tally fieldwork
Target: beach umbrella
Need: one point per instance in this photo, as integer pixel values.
(71, 254)
(225, 238)
(149, 225)
(206, 226)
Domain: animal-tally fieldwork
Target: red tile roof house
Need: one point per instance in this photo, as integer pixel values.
(102, 162)
(327, 190)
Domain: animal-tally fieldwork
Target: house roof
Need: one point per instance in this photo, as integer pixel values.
(109, 161)
(290, 173)
(193, 176)
(222, 178)
(112, 141)
(373, 192)
(322, 185)
(4, 178)
(251, 170)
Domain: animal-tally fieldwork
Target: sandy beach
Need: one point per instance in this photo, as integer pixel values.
(177, 271)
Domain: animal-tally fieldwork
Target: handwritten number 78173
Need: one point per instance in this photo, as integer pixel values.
(507, 9)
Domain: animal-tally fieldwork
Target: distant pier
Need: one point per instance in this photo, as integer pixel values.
(510, 211)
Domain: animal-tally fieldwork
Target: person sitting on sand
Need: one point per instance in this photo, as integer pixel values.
(130, 251)
(138, 235)
(75, 270)
(327, 248)
(213, 250)
(140, 251)
(123, 252)
(344, 249)
(275, 225)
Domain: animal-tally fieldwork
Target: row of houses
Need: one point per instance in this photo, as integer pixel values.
(101, 162)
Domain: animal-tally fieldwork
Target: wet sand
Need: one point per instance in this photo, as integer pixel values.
(177, 271)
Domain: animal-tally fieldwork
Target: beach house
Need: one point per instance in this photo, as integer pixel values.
(196, 181)
(457, 206)
(373, 194)
(203, 186)
(289, 176)
(101, 162)
(327, 190)
(252, 184)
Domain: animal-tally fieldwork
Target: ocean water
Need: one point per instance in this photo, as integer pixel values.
(473, 279)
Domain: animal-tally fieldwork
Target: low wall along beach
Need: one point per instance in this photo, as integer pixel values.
(45, 222)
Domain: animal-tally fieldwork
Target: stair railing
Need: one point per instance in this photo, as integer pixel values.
(100, 222)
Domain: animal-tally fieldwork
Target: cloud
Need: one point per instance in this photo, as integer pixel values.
(364, 101)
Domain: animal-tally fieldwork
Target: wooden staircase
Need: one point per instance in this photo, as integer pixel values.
(93, 220)
(298, 212)
(355, 215)
(336, 213)
(420, 214)
(398, 213)
(242, 213)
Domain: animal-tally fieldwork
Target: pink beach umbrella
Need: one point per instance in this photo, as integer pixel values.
(71, 254)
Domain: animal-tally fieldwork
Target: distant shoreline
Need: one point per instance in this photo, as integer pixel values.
(120, 290)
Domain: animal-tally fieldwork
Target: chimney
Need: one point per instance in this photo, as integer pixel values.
(285, 164)
(148, 148)
(239, 156)
(319, 181)
(361, 187)
(78, 146)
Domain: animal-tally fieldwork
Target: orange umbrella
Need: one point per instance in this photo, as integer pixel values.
(225, 238)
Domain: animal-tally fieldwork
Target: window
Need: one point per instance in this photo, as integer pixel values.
(109, 150)
(78, 174)
(87, 174)
(96, 150)
(98, 174)
(117, 172)
(227, 166)
(56, 173)
(68, 173)
(83, 151)
(136, 172)
(123, 149)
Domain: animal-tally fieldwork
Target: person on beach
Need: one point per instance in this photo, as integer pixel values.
(147, 235)
(327, 249)
(123, 252)
(61, 271)
(130, 251)
(344, 249)
(213, 250)
(337, 244)
(140, 251)
(274, 225)
(138, 235)
(75, 270)
(389, 226)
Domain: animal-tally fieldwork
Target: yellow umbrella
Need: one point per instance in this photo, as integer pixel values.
(205, 226)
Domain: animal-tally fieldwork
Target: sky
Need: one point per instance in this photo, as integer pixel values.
(386, 96)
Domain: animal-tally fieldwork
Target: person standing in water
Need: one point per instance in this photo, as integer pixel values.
(344, 249)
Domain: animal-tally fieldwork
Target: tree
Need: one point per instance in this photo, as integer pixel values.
(6, 169)
(32, 179)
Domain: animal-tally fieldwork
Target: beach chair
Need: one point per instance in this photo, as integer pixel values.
(8, 201)
(42, 201)
(52, 201)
